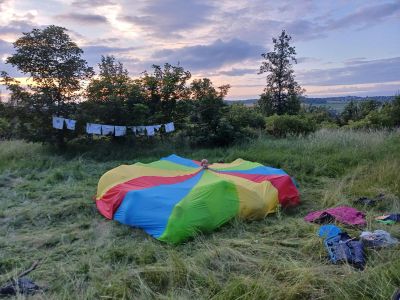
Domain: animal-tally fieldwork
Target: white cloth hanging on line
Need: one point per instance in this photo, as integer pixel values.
(120, 130)
(58, 122)
(92, 128)
(140, 130)
(107, 129)
(150, 130)
(169, 127)
(70, 124)
(133, 128)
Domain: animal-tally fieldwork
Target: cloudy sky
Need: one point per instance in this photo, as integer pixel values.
(343, 47)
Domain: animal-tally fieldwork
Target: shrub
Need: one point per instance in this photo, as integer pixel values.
(241, 116)
(289, 125)
(319, 114)
(395, 111)
(4, 128)
(374, 120)
(328, 125)
(226, 126)
(220, 134)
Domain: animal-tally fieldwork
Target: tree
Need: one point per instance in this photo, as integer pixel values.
(367, 106)
(320, 114)
(282, 93)
(107, 94)
(241, 116)
(395, 110)
(53, 63)
(114, 98)
(372, 114)
(209, 126)
(163, 88)
(351, 112)
(208, 100)
(113, 81)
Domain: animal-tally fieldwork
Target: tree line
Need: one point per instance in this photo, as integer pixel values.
(62, 84)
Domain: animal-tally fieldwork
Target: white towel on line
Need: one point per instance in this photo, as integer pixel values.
(92, 128)
(107, 129)
(140, 130)
(120, 130)
(169, 127)
(133, 128)
(70, 124)
(150, 130)
(58, 122)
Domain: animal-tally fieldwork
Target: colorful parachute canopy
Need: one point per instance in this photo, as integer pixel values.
(174, 198)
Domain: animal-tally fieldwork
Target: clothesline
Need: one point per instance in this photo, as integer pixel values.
(102, 129)
(58, 123)
(149, 130)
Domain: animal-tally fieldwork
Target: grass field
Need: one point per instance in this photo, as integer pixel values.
(334, 105)
(47, 214)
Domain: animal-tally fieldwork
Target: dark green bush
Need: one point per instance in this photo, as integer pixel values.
(319, 114)
(374, 120)
(4, 128)
(222, 133)
(241, 116)
(289, 125)
(328, 125)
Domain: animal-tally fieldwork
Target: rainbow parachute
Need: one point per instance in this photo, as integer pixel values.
(174, 198)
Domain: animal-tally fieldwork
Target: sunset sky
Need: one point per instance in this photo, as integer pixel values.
(343, 47)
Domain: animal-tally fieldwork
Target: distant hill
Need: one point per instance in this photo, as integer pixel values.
(247, 102)
(319, 101)
(310, 100)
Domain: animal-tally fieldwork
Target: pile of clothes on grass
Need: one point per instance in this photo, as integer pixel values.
(340, 246)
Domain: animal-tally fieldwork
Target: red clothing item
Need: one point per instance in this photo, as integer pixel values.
(343, 214)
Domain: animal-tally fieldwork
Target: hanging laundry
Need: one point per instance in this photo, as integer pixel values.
(70, 124)
(132, 128)
(58, 123)
(92, 128)
(157, 127)
(169, 127)
(107, 129)
(344, 214)
(140, 130)
(150, 130)
(120, 130)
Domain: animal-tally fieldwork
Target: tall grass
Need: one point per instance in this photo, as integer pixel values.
(46, 213)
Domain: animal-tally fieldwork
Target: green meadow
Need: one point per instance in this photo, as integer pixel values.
(333, 105)
(47, 213)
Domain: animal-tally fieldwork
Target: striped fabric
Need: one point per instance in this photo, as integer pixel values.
(174, 198)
